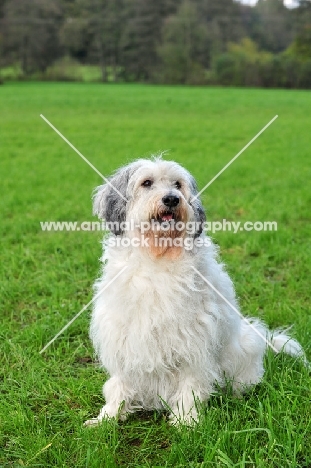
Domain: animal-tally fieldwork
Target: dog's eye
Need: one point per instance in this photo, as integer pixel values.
(147, 183)
(177, 185)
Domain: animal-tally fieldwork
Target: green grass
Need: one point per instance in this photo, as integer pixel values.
(47, 277)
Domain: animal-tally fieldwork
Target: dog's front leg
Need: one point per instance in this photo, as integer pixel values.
(184, 403)
(117, 400)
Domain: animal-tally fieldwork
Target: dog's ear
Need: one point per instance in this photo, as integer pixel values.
(110, 200)
(197, 207)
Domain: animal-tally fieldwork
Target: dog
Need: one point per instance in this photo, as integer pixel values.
(166, 324)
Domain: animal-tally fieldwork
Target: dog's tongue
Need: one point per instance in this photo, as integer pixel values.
(167, 217)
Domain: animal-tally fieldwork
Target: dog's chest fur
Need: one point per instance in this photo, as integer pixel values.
(154, 323)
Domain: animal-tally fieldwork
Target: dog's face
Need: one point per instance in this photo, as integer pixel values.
(153, 190)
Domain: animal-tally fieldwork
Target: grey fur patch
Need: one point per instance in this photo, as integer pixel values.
(198, 209)
(108, 204)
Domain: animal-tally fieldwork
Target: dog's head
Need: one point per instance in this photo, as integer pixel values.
(146, 191)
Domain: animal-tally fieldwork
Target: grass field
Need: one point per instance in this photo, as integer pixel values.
(47, 277)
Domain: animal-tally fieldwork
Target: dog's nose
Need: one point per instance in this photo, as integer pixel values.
(170, 200)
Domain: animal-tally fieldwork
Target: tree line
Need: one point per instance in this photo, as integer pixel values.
(162, 41)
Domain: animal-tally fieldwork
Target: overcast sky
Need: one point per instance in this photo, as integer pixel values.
(289, 3)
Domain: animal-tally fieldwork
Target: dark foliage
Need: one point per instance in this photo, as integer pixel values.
(163, 41)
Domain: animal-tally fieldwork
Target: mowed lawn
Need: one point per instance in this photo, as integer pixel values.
(47, 277)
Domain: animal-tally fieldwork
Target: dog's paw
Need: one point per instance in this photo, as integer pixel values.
(108, 413)
(92, 422)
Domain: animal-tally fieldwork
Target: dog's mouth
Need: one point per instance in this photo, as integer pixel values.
(166, 216)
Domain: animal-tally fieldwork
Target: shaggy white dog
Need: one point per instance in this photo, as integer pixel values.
(163, 334)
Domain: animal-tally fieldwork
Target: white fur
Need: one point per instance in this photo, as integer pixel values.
(164, 336)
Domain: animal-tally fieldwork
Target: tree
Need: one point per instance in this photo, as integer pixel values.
(274, 29)
(223, 20)
(30, 32)
(108, 26)
(184, 45)
(141, 36)
(75, 37)
(301, 16)
(94, 34)
(301, 46)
